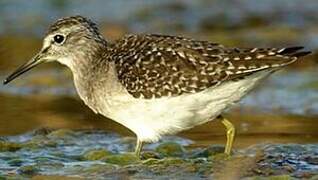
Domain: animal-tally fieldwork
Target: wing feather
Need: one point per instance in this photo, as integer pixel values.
(154, 66)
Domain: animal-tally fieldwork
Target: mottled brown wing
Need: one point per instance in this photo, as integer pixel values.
(154, 66)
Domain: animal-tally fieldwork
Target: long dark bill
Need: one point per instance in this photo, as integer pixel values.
(24, 68)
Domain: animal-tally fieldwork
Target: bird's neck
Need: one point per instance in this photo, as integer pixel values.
(86, 62)
(89, 68)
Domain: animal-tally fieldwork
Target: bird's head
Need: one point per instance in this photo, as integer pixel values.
(67, 41)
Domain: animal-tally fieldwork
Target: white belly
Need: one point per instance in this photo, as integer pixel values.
(150, 119)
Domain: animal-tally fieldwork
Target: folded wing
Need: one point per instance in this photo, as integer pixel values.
(154, 66)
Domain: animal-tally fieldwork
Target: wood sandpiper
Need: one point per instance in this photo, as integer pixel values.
(157, 84)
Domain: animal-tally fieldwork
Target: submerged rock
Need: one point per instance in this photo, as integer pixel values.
(28, 170)
(61, 133)
(93, 155)
(170, 149)
(121, 159)
(208, 152)
(280, 177)
(150, 155)
(100, 169)
(175, 167)
(40, 141)
(9, 146)
(15, 162)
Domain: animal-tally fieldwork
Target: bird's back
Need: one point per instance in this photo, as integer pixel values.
(154, 66)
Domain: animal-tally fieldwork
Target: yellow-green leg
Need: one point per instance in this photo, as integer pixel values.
(230, 133)
(138, 148)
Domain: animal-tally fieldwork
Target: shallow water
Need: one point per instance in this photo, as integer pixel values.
(78, 153)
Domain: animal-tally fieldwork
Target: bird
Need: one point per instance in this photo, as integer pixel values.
(155, 84)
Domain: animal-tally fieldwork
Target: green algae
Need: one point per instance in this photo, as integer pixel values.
(93, 155)
(38, 142)
(29, 170)
(15, 162)
(209, 151)
(178, 167)
(170, 149)
(52, 177)
(219, 157)
(61, 133)
(121, 159)
(309, 85)
(163, 162)
(100, 168)
(150, 155)
(278, 177)
(9, 146)
(315, 177)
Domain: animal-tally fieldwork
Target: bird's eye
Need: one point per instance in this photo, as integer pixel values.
(59, 39)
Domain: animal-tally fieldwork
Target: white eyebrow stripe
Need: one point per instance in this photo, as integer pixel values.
(47, 42)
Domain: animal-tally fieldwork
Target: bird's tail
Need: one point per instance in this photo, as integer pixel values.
(293, 51)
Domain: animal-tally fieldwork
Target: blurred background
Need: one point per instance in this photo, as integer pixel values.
(283, 109)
